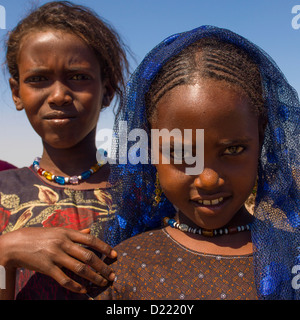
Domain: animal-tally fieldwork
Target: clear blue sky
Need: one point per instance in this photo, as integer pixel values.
(142, 24)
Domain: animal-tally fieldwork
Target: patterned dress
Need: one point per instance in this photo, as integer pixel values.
(28, 201)
(153, 265)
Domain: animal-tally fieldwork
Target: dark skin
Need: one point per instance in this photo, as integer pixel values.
(61, 90)
(231, 151)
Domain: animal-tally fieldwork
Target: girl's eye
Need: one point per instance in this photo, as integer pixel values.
(80, 77)
(234, 150)
(180, 156)
(176, 155)
(35, 79)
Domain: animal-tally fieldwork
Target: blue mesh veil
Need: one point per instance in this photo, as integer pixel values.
(275, 233)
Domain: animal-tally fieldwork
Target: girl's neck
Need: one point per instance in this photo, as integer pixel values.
(227, 245)
(71, 161)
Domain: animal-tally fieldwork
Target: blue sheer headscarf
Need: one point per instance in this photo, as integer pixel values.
(275, 232)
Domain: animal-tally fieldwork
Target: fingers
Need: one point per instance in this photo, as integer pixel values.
(93, 242)
(47, 250)
(67, 252)
(87, 265)
(85, 231)
(66, 282)
(83, 261)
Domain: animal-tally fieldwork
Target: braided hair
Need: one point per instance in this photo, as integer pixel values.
(210, 58)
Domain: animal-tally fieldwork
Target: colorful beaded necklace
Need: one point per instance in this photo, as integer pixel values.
(207, 233)
(65, 180)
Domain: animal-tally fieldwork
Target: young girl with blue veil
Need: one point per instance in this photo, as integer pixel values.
(212, 245)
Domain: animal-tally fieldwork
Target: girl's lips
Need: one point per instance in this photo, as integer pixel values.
(210, 202)
(213, 203)
(60, 120)
(59, 116)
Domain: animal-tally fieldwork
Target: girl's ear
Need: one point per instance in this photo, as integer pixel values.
(108, 95)
(14, 86)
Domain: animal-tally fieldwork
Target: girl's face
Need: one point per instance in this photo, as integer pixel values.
(231, 150)
(60, 87)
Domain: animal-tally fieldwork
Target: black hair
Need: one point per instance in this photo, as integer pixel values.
(84, 23)
(213, 59)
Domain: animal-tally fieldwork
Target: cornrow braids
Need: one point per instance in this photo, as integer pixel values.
(212, 59)
(84, 23)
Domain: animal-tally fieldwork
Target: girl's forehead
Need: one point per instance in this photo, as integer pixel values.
(46, 45)
(208, 105)
(48, 34)
(203, 97)
(60, 32)
(51, 37)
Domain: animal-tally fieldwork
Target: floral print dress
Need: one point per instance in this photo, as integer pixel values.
(28, 201)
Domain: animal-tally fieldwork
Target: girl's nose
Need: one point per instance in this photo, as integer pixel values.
(208, 179)
(60, 95)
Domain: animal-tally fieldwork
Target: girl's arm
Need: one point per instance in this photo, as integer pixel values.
(48, 250)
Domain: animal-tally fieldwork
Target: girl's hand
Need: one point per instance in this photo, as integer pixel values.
(47, 250)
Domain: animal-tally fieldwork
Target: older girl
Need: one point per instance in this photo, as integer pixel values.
(66, 64)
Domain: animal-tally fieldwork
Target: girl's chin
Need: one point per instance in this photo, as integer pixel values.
(214, 216)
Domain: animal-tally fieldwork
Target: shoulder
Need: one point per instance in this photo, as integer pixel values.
(147, 245)
(18, 173)
(148, 248)
(143, 240)
(15, 178)
(6, 166)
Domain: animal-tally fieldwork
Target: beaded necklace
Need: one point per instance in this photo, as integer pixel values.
(65, 180)
(207, 233)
